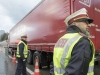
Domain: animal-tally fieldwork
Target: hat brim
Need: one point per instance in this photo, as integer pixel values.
(23, 36)
(84, 19)
(89, 20)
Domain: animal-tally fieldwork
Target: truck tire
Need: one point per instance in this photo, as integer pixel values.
(30, 56)
(36, 55)
(99, 63)
(9, 50)
(12, 53)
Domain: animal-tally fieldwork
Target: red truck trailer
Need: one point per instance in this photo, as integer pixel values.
(44, 25)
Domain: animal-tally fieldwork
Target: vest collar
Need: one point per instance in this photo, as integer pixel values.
(24, 41)
(73, 29)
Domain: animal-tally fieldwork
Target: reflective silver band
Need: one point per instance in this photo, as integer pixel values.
(91, 68)
(59, 70)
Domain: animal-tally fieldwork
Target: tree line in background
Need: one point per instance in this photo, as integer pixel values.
(3, 35)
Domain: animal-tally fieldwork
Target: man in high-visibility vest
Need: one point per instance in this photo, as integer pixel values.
(74, 52)
(22, 54)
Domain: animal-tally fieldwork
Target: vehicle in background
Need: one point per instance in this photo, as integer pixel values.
(44, 25)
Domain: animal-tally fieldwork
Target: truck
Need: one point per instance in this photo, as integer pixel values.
(44, 25)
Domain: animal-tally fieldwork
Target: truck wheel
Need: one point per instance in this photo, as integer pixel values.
(30, 56)
(9, 50)
(37, 56)
(99, 63)
(48, 64)
(12, 53)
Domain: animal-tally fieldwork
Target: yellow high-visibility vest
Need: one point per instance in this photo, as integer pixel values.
(25, 52)
(62, 53)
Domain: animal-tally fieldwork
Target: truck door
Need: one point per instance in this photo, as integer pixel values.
(97, 22)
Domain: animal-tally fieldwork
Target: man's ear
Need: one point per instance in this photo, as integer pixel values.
(74, 23)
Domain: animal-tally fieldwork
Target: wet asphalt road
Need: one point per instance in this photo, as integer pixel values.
(2, 64)
(8, 68)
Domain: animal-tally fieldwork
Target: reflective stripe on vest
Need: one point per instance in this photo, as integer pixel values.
(25, 52)
(91, 68)
(61, 70)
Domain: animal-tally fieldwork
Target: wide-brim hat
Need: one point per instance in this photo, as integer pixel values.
(24, 36)
(80, 14)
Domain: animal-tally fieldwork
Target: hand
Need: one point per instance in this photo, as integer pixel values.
(24, 60)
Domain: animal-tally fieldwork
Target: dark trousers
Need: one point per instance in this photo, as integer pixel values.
(21, 67)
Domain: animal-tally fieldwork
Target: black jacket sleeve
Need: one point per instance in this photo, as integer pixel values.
(21, 49)
(51, 68)
(81, 57)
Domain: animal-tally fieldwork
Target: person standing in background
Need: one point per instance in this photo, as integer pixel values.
(22, 54)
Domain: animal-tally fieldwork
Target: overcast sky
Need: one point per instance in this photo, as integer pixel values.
(12, 11)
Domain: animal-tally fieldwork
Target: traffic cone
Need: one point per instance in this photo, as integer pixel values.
(14, 58)
(36, 71)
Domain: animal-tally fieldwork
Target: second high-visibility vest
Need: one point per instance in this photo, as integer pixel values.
(25, 52)
(62, 53)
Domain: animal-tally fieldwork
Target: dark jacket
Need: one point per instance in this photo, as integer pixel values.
(80, 58)
(21, 49)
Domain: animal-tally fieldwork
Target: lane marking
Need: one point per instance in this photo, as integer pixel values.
(28, 70)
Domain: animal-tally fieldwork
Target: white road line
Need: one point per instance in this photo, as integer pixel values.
(10, 57)
(28, 70)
